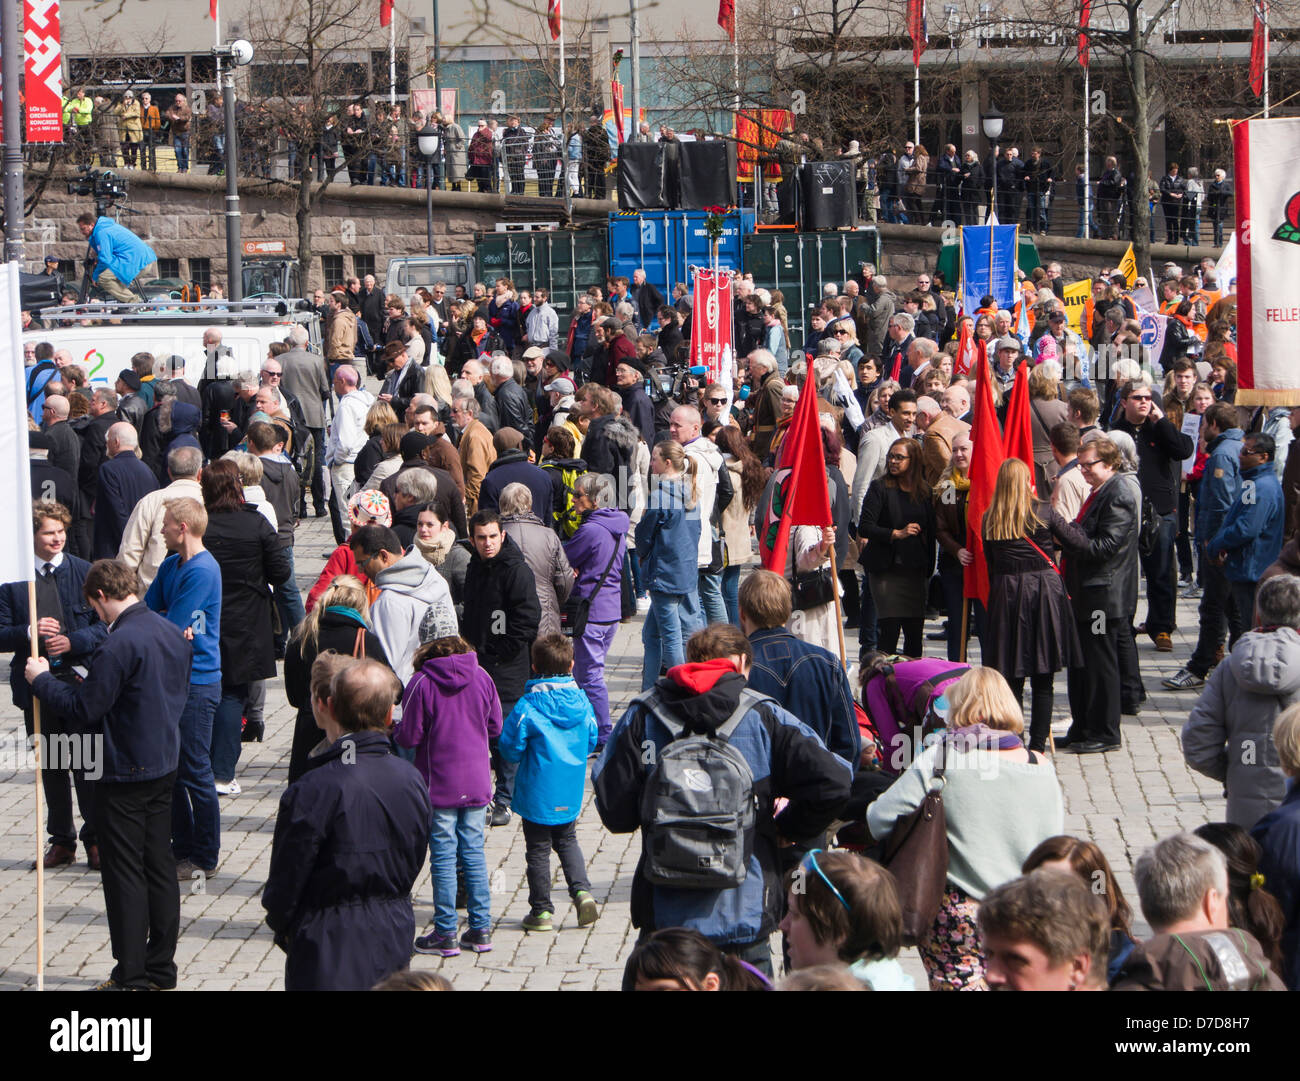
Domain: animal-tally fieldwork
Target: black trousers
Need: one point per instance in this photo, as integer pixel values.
(59, 821)
(539, 842)
(1094, 685)
(141, 893)
(888, 631)
(1041, 695)
(1132, 693)
(317, 473)
(1218, 611)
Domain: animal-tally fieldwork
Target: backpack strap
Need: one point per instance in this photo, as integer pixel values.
(749, 699)
(652, 703)
(926, 688)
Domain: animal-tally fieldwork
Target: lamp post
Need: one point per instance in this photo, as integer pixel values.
(429, 142)
(991, 122)
(239, 53)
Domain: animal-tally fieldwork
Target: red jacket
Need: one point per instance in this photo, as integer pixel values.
(341, 562)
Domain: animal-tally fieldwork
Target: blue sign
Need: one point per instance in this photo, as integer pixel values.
(988, 265)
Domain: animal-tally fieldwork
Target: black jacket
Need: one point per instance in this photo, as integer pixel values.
(123, 481)
(488, 408)
(372, 312)
(403, 386)
(280, 483)
(514, 410)
(513, 467)
(94, 449)
(638, 409)
(1162, 449)
(1100, 563)
(448, 503)
(502, 587)
(66, 450)
(648, 301)
(350, 841)
(50, 482)
(251, 559)
(884, 509)
(610, 446)
(132, 696)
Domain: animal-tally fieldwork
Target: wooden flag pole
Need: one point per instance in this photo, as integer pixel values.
(965, 626)
(36, 743)
(839, 611)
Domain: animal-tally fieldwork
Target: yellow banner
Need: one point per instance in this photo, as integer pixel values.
(1075, 298)
(1128, 266)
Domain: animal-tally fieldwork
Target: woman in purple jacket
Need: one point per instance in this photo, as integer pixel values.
(449, 712)
(596, 554)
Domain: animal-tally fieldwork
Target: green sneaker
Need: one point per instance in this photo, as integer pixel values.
(587, 911)
(538, 921)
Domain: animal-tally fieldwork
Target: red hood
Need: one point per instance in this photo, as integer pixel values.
(700, 676)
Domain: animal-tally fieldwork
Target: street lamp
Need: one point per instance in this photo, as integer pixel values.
(429, 142)
(238, 53)
(991, 122)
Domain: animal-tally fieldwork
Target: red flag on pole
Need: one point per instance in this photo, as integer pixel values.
(212, 9)
(1018, 436)
(986, 458)
(1085, 17)
(385, 11)
(1258, 48)
(553, 17)
(616, 92)
(800, 494)
(965, 350)
(916, 28)
(727, 17)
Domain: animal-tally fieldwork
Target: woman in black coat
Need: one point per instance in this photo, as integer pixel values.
(340, 622)
(898, 525)
(252, 560)
(1031, 630)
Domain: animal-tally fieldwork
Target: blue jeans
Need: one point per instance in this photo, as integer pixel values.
(456, 834)
(288, 600)
(731, 593)
(710, 592)
(589, 653)
(673, 618)
(196, 811)
(226, 731)
(372, 166)
(181, 144)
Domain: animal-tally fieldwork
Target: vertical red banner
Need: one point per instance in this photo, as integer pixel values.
(711, 322)
(43, 70)
(616, 92)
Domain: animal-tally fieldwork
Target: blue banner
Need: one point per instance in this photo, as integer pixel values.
(988, 265)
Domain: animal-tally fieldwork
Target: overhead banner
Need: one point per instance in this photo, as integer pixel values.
(1075, 298)
(757, 133)
(43, 68)
(711, 323)
(988, 265)
(1267, 159)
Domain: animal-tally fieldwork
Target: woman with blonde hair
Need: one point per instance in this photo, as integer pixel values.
(1031, 632)
(378, 417)
(1001, 800)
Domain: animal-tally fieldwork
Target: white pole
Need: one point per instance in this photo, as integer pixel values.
(916, 104)
(1264, 12)
(216, 41)
(1087, 165)
(392, 63)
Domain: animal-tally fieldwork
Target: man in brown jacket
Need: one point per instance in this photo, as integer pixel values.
(766, 386)
(1182, 883)
(476, 450)
(340, 330)
(939, 430)
(179, 117)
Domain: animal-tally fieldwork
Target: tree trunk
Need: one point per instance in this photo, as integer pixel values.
(303, 216)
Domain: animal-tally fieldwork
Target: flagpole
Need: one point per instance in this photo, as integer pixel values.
(392, 63)
(1264, 11)
(965, 622)
(216, 38)
(839, 611)
(916, 103)
(1087, 167)
(34, 636)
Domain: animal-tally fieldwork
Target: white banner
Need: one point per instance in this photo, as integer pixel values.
(1225, 269)
(17, 562)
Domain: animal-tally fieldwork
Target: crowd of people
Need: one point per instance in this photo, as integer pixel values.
(502, 499)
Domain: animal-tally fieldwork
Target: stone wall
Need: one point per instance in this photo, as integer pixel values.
(182, 217)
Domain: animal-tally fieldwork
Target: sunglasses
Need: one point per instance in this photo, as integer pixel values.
(717, 401)
(810, 863)
(1139, 397)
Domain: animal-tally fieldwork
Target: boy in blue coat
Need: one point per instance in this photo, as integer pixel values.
(550, 733)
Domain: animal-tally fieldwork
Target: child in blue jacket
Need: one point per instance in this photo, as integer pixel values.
(550, 733)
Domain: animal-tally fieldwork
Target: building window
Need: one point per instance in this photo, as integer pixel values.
(201, 273)
(363, 265)
(169, 268)
(332, 269)
(68, 268)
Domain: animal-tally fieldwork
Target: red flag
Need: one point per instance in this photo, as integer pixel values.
(965, 350)
(1018, 437)
(212, 9)
(711, 326)
(385, 12)
(917, 29)
(986, 458)
(800, 493)
(727, 20)
(553, 17)
(616, 92)
(1259, 48)
(1085, 16)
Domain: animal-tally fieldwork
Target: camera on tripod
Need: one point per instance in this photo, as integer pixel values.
(103, 185)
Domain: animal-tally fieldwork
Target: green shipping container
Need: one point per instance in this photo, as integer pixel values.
(800, 264)
(566, 262)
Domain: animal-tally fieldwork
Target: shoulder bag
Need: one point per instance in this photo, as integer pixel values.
(574, 613)
(916, 853)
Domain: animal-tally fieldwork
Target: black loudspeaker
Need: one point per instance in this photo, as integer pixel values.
(708, 174)
(828, 195)
(641, 176)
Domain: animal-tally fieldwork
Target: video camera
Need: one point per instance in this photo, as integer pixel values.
(103, 185)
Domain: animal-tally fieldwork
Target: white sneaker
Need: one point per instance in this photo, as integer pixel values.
(230, 789)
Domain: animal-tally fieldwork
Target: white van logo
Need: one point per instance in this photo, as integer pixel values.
(697, 780)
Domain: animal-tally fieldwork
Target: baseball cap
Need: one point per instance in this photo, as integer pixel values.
(1057, 317)
(564, 386)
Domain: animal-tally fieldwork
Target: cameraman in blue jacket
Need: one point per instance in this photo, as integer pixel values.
(117, 254)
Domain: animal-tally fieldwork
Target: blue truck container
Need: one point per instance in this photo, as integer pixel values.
(665, 243)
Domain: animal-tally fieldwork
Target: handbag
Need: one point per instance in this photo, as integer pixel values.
(812, 589)
(574, 613)
(916, 853)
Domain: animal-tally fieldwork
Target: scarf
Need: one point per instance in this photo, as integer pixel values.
(347, 612)
(960, 481)
(436, 550)
(980, 737)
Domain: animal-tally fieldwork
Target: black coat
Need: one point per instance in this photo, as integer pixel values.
(123, 482)
(337, 632)
(502, 585)
(638, 408)
(884, 509)
(251, 559)
(350, 841)
(1101, 556)
(368, 457)
(50, 482)
(514, 410)
(94, 449)
(1162, 449)
(66, 450)
(514, 468)
(448, 503)
(403, 386)
(1031, 629)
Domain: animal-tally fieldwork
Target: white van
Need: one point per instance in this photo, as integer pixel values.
(105, 348)
(408, 273)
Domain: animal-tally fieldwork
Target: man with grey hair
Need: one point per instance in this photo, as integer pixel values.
(920, 356)
(143, 548)
(513, 408)
(304, 377)
(901, 338)
(1229, 732)
(1182, 884)
(414, 489)
(471, 372)
(475, 448)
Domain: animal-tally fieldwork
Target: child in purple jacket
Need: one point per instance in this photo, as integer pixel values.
(449, 712)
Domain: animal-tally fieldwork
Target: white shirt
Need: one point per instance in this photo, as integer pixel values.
(348, 431)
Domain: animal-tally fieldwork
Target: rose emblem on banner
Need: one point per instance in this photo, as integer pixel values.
(1289, 230)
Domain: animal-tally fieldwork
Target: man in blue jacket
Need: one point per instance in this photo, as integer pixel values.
(803, 678)
(132, 700)
(69, 632)
(118, 255)
(1251, 535)
(785, 759)
(1220, 486)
